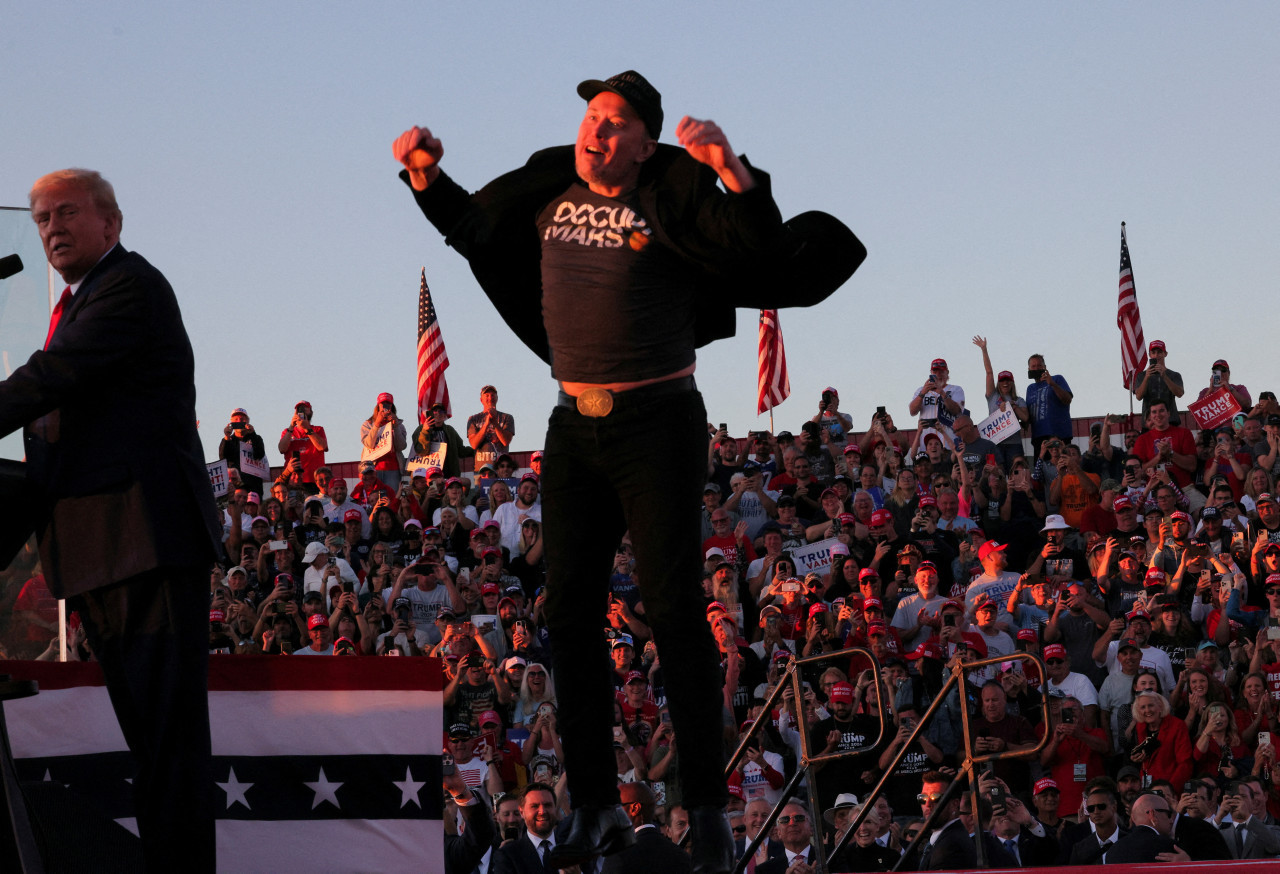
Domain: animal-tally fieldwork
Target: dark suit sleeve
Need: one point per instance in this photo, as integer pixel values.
(106, 333)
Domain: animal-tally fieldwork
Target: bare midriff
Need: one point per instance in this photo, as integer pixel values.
(576, 388)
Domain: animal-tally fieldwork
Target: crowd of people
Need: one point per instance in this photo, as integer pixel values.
(1141, 564)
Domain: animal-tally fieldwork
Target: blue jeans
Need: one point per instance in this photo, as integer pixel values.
(642, 469)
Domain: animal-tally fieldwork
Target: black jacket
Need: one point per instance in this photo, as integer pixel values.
(1141, 844)
(745, 255)
(1202, 841)
(652, 851)
(114, 463)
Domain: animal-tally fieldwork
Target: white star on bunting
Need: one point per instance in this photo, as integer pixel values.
(408, 789)
(236, 791)
(324, 790)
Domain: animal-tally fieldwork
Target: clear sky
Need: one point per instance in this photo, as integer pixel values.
(985, 153)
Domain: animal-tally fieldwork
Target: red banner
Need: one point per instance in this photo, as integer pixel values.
(1214, 409)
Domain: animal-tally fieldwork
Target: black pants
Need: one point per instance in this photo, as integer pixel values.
(151, 636)
(641, 468)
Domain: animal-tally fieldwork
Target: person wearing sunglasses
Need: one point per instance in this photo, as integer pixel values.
(1100, 828)
(795, 830)
(951, 846)
(1150, 839)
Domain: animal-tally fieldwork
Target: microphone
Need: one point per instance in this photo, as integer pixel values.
(9, 265)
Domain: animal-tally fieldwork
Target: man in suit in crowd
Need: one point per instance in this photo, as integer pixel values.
(950, 847)
(795, 829)
(1150, 836)
(122, 510)
(1202, 841)
(1085, 842)
(1022, 836)
(652, 851)
(1247, 836)
(754, 817)
(531, 852)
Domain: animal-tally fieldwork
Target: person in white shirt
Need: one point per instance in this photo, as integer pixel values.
(937, 402)
(917, 616)
(995, 582)
(322, 568)
(511, 515)
(321, 637)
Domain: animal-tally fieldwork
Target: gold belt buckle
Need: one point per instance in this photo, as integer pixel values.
(595, 402)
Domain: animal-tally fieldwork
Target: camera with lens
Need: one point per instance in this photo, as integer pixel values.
(1150, 745)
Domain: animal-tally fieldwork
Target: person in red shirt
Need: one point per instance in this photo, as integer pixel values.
(370, 489)
(639, 713)
(1074, 754)
(305, 442)
(1170, 445)
(509, 758)
(728, 540)
(1163, 749)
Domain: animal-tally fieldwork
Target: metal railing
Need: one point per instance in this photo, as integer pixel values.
(804, 767)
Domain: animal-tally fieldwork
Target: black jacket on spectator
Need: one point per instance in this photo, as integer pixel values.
(1200, 839)
(1141, 844)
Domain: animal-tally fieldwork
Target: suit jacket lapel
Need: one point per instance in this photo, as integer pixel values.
(88, 286)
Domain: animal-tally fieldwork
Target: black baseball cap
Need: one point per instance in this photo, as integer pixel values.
(636, 90)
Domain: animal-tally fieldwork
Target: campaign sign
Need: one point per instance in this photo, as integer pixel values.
(253, 466)
(486, 483)
(1214, 409)
(999, 425)
(218, 477)
(816, 557)
(434, 457)
(382, 445)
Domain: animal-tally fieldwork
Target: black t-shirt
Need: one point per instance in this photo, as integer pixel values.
(975, 454)
(616, 303)
(845, 775)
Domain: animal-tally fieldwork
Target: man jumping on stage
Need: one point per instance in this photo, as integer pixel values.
(613, 260)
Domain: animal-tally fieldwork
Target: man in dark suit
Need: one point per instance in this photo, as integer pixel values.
(1200, 839)
(652, 851)
(124, 514)
(795, 829)
(754, 818)
(1084, 843)
(951, 846)
(531, 852)
(1022, 836)
(1149, 839)
(1247, 836)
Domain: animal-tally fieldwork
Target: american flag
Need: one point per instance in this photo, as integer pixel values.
(300, 780)
(1133, 347)
(775, 386)
(432, 359)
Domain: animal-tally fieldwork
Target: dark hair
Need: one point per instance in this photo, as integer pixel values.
(936, 777)
(530, 788)
(1103, 786)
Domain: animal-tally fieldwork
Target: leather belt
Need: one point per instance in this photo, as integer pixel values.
(598, 402)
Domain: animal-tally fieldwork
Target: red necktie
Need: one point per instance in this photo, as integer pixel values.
(57, 314)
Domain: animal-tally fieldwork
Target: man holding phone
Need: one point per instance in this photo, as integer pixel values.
(305, 442)
(1048, 403)
(937, 402)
